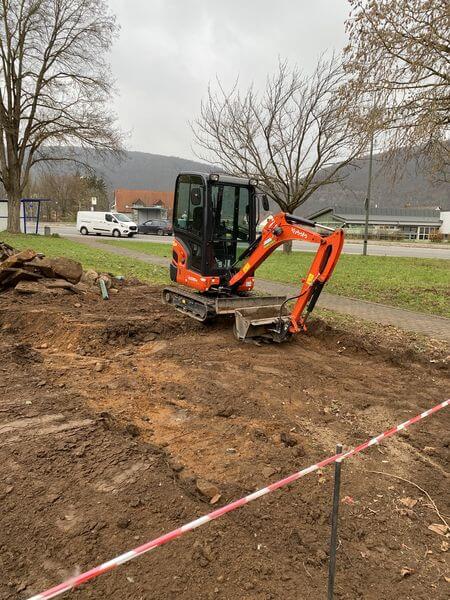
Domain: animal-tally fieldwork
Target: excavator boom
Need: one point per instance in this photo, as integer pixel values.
(281, 229)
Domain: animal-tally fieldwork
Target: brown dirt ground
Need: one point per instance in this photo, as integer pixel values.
(109, 412)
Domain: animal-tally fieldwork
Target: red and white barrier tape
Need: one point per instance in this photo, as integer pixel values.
(176, 533)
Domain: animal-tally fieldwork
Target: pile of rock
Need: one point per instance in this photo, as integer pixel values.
(92, 279)
(29, 272)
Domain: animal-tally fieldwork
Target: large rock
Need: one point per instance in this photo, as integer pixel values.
(61, 284)
(64, 268)
(6, 251)
(29, 287)
(67, 269)
(10, 277)
(90, 277)
(18, 259)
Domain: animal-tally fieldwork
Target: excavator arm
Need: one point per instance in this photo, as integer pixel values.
(281, 229)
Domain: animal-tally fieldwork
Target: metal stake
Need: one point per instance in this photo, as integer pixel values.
(334, 524)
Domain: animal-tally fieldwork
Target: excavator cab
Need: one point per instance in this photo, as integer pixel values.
(217, 249)
(214, 218)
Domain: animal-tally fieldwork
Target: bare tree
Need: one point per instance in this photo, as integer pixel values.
(68, 193)
(399, 52)
(54, 86)
(294, 137)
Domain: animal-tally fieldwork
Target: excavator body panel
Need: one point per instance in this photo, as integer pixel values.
(217, 249)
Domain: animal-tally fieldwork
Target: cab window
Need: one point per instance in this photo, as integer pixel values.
(189, 204)
(231, 205)
(231, 223)
(109, 218)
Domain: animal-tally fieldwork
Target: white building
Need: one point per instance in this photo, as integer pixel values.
(400, 223)
(445, 227)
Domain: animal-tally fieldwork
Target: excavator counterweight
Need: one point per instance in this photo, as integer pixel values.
(217, 250)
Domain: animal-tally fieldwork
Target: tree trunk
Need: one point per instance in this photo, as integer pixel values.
(287, 247)
(13, 211)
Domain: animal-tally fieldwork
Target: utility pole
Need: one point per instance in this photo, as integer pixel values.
(367, 202)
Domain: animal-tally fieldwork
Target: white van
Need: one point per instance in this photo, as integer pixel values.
(105, 223)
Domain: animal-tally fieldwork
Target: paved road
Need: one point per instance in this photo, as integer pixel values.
(433, 326)
(349, 247)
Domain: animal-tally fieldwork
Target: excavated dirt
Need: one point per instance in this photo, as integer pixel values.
(113, 413)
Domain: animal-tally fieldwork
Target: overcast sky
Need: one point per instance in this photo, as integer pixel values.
(169, 50)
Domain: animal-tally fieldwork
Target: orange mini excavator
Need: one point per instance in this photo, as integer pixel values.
(217, 250)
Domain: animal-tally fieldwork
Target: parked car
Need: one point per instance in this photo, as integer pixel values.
(105, 223)
(156, 227)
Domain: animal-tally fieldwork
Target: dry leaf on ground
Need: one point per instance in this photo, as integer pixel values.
(438, 528)
(409, 502)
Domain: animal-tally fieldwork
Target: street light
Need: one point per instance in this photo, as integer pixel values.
(373, 116)
(367, 202)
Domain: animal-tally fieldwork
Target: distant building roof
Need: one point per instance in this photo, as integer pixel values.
(126, 200)
(147, 208)
(383, 216)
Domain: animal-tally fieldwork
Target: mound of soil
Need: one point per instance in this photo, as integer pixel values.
(121, 420)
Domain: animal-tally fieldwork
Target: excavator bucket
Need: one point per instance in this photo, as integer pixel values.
(267, 323)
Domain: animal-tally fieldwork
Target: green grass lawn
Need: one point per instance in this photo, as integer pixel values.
(153, 248)
(420, 284)
(89, 257)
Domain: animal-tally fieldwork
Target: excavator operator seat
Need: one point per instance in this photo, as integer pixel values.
(197, 220)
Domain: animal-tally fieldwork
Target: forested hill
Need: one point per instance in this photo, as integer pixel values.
(405, 187)
(140, 170)
(137, 170)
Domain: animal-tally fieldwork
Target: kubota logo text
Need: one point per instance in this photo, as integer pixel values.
(299, 232)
